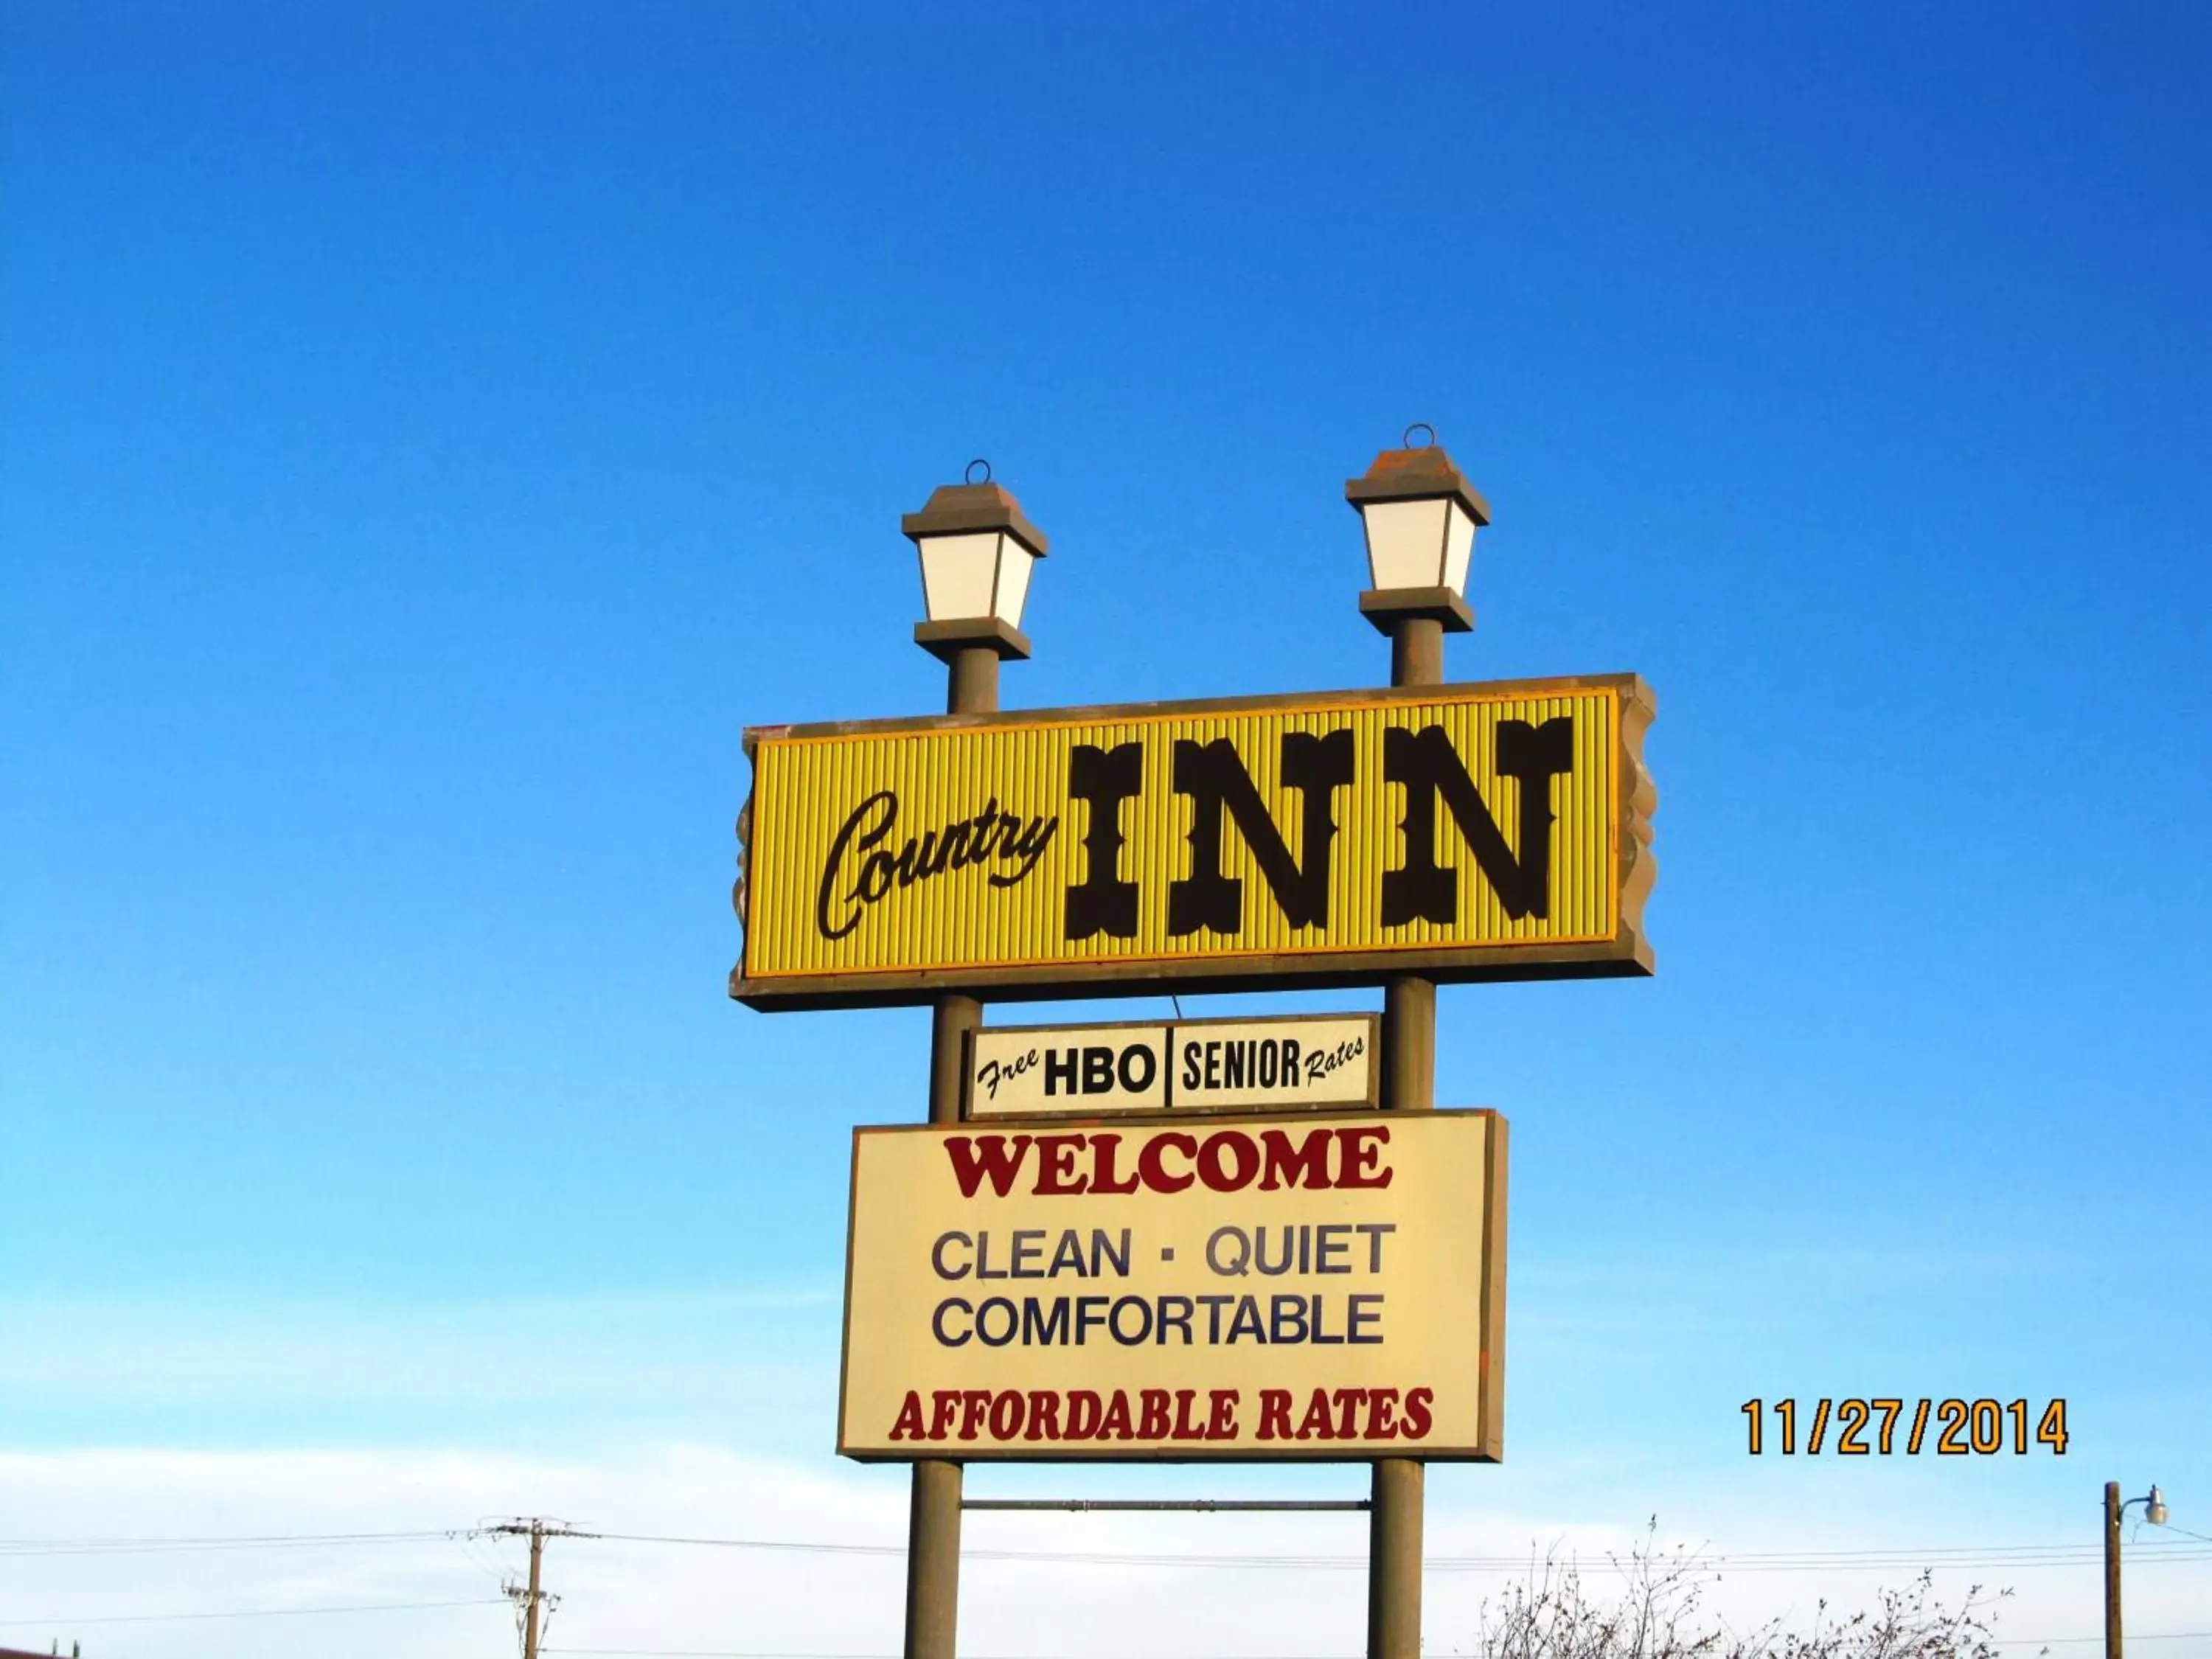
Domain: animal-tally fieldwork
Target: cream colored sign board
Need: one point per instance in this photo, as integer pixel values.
(1257, 1287)
(1284, 1063)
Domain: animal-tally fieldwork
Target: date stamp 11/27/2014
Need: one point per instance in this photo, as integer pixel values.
(1860, 1428)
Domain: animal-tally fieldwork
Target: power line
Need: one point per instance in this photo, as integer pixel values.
(2010, 1558)
(2005, 1557)
(481, 1553)
(11, 1547)
(255, 1613)
(2197, 1548)
(2055, 1641)
(1992, 1556)
(803, 1546)
(782, 1653)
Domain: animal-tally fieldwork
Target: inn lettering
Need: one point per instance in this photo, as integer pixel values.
(1420, 765)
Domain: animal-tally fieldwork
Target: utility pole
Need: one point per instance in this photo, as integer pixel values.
(530, 1606)
(2155, 1513)
(533, 1601)
(2112, 1507)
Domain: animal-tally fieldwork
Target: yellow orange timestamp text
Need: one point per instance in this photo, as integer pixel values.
(1860, 1428)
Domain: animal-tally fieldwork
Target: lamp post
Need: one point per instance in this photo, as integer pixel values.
(977, 551)
(2154, 1511)
(1419, 514)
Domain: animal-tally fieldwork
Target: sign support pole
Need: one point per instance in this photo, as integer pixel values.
(933, 1549)
(1409, 1083)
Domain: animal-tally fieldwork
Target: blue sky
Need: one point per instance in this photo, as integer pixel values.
(429, 435)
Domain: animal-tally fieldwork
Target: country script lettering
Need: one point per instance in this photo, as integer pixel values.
(861, 870)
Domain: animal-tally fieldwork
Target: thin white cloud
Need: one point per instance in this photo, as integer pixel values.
(644, 1595)
(181, 1354)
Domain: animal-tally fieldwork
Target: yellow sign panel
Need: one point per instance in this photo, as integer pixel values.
(1471, 831)
(1308, 1286)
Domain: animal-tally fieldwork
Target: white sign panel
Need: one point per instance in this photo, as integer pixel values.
(1072, 1068)
(1198, 1066)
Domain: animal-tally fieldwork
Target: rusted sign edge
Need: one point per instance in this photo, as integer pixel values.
(1630, 687)
(1627, 955)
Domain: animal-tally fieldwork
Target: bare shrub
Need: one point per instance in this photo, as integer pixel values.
(1658, 1615)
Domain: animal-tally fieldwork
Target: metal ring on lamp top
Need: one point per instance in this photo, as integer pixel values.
(1406, 439)
(970, 474)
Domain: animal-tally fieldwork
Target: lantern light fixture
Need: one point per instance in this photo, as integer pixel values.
(1421, 515)
(977, 551)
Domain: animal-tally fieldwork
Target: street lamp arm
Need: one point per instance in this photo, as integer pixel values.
(2153, 1503)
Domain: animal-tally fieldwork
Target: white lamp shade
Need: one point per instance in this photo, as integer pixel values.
(1459, 547)
(1418, 544)
(1015, 564)
(975, 574)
